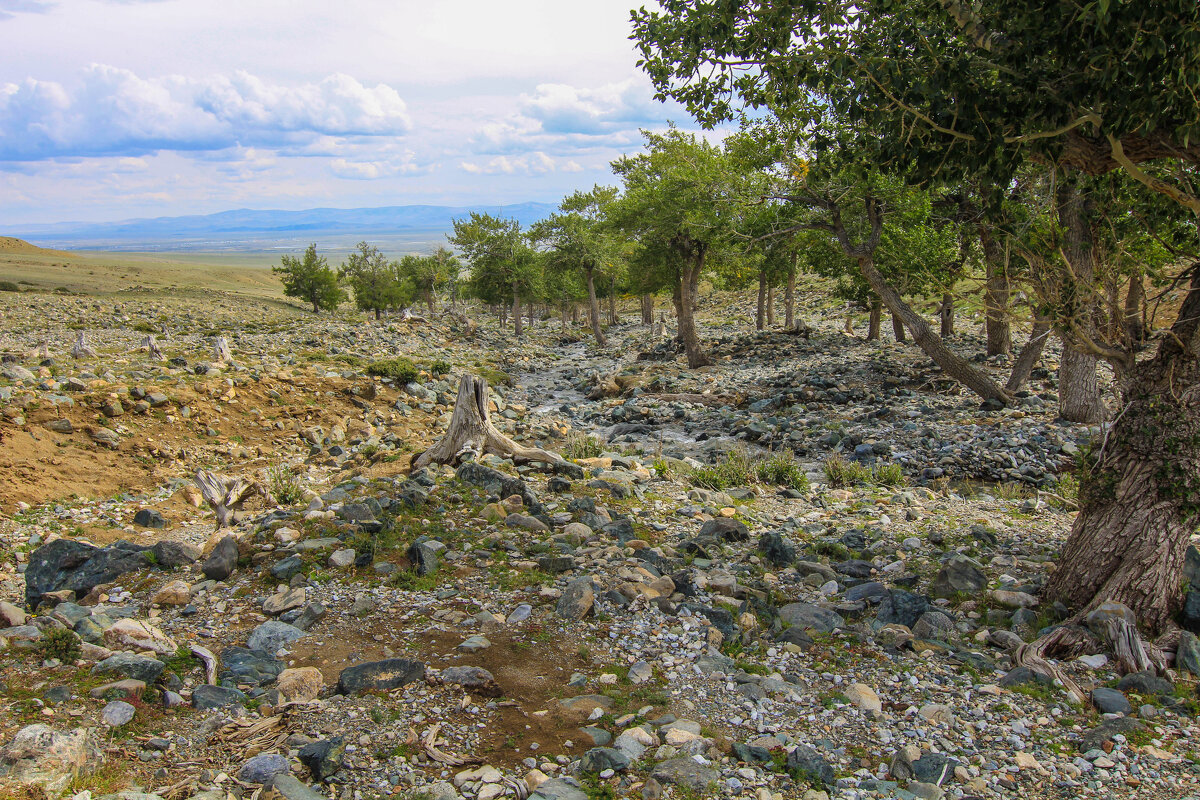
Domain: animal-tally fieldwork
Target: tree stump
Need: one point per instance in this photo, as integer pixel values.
(150, 344)
(221, 349)
(471, 432)
(81, 349)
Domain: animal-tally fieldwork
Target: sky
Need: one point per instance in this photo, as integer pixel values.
(115, 109)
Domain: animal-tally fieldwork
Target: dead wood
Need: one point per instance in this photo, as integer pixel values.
(471, 432)
(225, 494)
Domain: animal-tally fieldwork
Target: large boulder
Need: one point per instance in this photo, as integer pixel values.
(391, 673)
(80, 567)
(222, 561)
(41, 756)
(272, 635)
(577, 599)
(496, 482)
(811, 617)
(134, 634)
(958, 576)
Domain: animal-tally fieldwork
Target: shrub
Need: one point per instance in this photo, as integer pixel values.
(144, 327)
(60, 643)
(841, 474)
(888, 475)
(737, 470)
(439, 368)
(582, 445)
(781, 469)
(400, 369)
(9, 286)
(283, 485)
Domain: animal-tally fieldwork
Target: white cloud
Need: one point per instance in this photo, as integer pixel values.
(114, 111)
(535, 163)
(561, 108)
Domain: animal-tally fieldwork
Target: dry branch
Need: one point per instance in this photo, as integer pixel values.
(225, 494)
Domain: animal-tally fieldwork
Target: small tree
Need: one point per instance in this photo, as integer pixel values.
(376, 282)
(430, 274)
(310, 279)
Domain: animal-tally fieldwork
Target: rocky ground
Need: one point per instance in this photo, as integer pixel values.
(800, 573)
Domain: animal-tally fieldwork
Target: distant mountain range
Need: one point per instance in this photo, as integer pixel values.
(416, 227)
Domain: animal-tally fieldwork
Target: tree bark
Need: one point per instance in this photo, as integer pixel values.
(594, 309)
(647, 309)
(995, 296)
(612, 302)
(471, 432)
(946, 314)
(1078, 386)
(789, 296)
(898, 328)
(951, 363)
(876, 318)
(1135, 329)
(516, 312)
(770, 305)
(1029, 354)
(1139, 499)
(574, 313)
(429, 302)
(686, 279)
(760, 311)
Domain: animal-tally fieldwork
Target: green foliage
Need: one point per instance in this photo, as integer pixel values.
(888, 475)
(283, 485)
(741, 468)
(439, 368)
(9, 286)
(377, 282)
(781, 469)
(502, 264)
(144, 327)
(310, 279)
(61, 644)
(430, 274)
(181, 662)
(399, 369)
(582, 445)
(842, 474)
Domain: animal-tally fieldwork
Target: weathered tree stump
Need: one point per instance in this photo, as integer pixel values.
(150, 344)
(81, 349)
(225, 494)
(471, 432)
(221, 349)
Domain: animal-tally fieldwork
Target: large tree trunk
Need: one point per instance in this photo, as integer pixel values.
(874, 321)
(574, 313)
(946, 314)
(995, 297)
(1135, 329)
(954, 365)
(760, 311)
(898, 328)
(1079, 397)
(647, 309)
(1078, 386)
(594, 309)
(516, 312)
(471, 432)
(685, 289)
(1029, 354)
(770, 305)
(789, 296)
(1139, 500)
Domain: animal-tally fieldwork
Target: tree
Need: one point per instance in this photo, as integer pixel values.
(955, 90)
(581, 242)
(503, 265)
(677, 203)
(430, 274)
(310, 279)
(376, 282)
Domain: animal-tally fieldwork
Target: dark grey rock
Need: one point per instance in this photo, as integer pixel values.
(323, 758)
(685, 772)
(958, 576)
(149, 518)
(425, 555)
(494, 481)
(806, 762)
(934, 768)
(1110, 701)
(207, 697)
(391, 673)
(128, 665)
(1145, 683)
(726, 528)
(272, 635)
(1187, 655)
(811, 617)
(263, 768)
(1096, 737)
(776, 549)
(475, 679)
(559, 789)
(80, 567)
(598, 759)
(577, 599)
(245, 668)
(285, 568)
(902, 608)
(222, 561)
